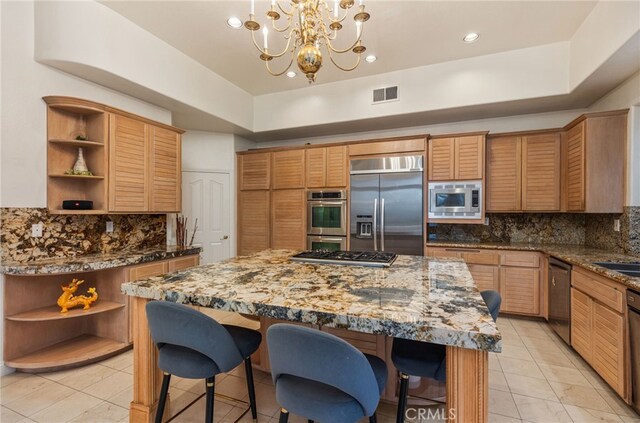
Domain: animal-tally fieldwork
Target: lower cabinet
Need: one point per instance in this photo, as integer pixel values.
(288, 210)
(520, 290)
(486, 277)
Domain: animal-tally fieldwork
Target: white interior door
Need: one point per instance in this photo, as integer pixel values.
(206, 197)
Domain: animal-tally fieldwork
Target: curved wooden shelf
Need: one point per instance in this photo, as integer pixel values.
(53, 312)
(76, 176)
(78, 143)
(65, 211)
(78, 351)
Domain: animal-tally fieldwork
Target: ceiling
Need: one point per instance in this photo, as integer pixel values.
(402, 34)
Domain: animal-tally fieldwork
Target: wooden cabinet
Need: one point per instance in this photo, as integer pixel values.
(581, 323)
(523, 173)
(594, 160)
(288, 169)
(458, 158)
(391, 146)
(326, 167)
(254, 226)
(254, 171)
(165, 167)
(520, 290)
(288, 213)
(486, 277)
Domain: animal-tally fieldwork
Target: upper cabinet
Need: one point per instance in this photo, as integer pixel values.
(523, 173)
(134, 164)
(288, 169)
(456, 158)
(392, 146)
(326, 167)
(595, 162)
(254, 171)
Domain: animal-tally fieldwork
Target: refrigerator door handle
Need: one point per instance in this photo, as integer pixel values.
(375, 224)
(382, 225)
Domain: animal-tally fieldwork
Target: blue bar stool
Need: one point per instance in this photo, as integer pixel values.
(194, 346)
(322, 377)
(425, 359)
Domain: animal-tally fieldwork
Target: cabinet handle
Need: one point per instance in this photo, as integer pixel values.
(224, 237)
(553, 280)
(462, 250)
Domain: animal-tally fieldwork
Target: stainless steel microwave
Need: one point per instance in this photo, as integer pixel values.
(455, 200)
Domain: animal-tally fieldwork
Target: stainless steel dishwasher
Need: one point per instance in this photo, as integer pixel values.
(633, 304)
(560, 298)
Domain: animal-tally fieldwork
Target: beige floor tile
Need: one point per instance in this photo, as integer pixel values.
(564, 374)
(512, 340)
(539, 344)
(584, 415)
(266, 399)
(555, 358)
(502, 403)
(22, 387)
(105, 412)
(494, 364)
(119, 362)
(110, 386)
(533, 332)
(122, 399)
(497, 381)
(14, 377)
(520, 367)
(196, 412)
(179, 399)
(128, 369)
(595, 380)
(39, 399)
(67, 409)
(617, 404)
(504, 323)
(628, 419)
(497, 418)
(530, 386)
(521, 353)
(233, 387)
(60, 374)
(540, 411)
(9, 416)
(580, 396)
(86, 376)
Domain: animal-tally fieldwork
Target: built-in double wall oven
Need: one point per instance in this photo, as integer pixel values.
(327, 220)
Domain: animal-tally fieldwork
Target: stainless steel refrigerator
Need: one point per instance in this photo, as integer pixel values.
(386, 200)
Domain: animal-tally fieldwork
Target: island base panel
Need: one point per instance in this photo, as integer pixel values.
(467, 385)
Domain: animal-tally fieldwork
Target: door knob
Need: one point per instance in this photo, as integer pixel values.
(225, 237)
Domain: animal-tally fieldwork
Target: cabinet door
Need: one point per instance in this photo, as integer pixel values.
(541, 172)
(441, 159)
(608, 346)
(254, 171)
(288, 169)
(581, 323)
(575, 159)
(288, 219)
(316, 167)
(128, 165)
(469, 157)
(165, 176)
(520, 290)
(253, 221)
(485, 277)
(504, 174)
(337, 166)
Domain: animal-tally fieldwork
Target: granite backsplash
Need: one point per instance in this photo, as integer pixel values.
(600, 233)
(75, 235)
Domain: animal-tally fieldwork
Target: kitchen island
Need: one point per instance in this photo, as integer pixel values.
(424, 299)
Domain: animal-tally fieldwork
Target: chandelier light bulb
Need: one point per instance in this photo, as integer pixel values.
(265, 32)
(335, 9)
(253, 7)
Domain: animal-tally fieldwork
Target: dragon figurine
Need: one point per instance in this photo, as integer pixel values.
(67, 300)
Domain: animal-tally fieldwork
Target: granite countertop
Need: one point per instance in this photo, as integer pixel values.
(418, 298)
(92, 262)
(576, 255)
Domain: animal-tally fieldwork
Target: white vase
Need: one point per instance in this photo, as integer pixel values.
(80, 165)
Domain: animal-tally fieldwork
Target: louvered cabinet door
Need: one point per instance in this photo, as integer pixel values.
(581, 323)
(253, 221)
(254, 171)
(316, 167)
(575, 166)
(441, 159)
(541, 172)
(288, 169)
(337, 166)
(485, 277)
(520, 290)
(608, 346)
(504, 174)
(469, 157)
(128, 165)
(288, 209)
(165, 176)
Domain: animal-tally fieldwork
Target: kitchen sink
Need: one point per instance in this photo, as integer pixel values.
(629, 269)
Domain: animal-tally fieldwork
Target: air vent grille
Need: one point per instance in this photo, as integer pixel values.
(381, 95)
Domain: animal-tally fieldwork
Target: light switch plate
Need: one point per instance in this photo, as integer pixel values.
(486, 221)
(616, 225)
(109, 226)
(36, 230)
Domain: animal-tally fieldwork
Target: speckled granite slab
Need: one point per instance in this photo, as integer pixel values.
(574, 254)
(417, 298)
(94, 261)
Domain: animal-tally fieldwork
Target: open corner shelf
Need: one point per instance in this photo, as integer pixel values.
(53, 312)
(62, 175)
(78, 143)
(83, 349)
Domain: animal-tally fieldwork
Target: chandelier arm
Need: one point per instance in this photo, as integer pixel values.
(335, 50)
(273, 24)
(289, 13)
(285, 69)
(340, 67)
(253, 37)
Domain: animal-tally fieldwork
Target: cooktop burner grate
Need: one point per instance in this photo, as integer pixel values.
(361, 258)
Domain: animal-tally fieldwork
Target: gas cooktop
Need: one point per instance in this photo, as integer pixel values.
(358, 258)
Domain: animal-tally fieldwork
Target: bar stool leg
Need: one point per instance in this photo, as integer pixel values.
(402, 397)
(252, 390)
(373, 419)
(166, 378)
(284, 416)
(211, 381)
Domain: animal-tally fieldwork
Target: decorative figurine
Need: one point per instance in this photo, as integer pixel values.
(67, 300)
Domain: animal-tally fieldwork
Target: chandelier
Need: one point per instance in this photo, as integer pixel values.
(310, 25)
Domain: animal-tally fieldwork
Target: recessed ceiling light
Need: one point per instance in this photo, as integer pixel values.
(234, 22)
(371, 58)
(291, 74)
(470, 37)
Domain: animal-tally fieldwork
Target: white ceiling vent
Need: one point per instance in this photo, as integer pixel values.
(383, 95)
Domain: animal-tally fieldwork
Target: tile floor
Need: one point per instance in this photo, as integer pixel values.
(535, 379)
